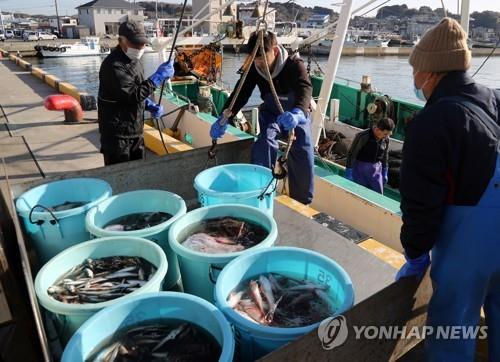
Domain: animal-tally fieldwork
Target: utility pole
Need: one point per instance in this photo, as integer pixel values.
(57, 16)
(1, 20)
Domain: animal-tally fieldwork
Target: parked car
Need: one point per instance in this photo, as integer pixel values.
(2, 36)
(30, 36)
(38, 35)
(9, 34)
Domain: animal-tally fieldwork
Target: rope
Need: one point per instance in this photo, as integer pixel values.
(228, 111)
(487, 58)
(279, 170)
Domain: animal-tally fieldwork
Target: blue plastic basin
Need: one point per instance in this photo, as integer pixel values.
(151, 306)
(136, 202)
(52, 232)
(255, 340)
(199, 270)
(68, 317)
(243, 183)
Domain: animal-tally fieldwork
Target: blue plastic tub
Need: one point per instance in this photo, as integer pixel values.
(253, 340)
(52, 232)
(243, 183)
(146, 307)
(69, 317)
(199, 271)
(135, 202)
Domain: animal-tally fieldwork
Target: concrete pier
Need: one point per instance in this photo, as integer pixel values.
(33, 138)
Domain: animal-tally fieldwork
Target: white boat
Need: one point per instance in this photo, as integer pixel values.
(87, 46)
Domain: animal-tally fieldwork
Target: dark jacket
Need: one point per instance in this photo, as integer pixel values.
(293, 78)
(449, 158)
(366, 148)
(122, 91)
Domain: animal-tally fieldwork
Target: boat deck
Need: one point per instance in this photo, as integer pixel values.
(37, 147)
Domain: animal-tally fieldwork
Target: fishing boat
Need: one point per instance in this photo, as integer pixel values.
(182, 137)
(86, 47)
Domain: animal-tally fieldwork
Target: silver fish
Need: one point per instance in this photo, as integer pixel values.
(172, 335)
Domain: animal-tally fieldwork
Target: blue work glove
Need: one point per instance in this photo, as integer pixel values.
(156, 110)
(414, 267)
(290, 120)
(164, 71)
(385, 173)
(217, 130)
(348, 174)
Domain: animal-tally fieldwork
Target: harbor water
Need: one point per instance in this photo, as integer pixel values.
(391, 75)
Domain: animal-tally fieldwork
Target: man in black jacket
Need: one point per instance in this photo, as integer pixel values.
(294, 90)
(450, 195)
(123, 96)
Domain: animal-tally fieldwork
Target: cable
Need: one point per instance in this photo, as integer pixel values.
(375, 8)
(487, 58)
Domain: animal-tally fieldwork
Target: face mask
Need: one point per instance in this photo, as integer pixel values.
(419, 93)
(134, 54)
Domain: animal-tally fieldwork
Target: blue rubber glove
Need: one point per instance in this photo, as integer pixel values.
(385, 173)
(414, 267)
(348, 174)
(217, 130)
(156, 110)
(164, 71)
(290, 120)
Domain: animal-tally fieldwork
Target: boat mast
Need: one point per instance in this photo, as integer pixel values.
(464, 20)
(332, 66)
(57, 16)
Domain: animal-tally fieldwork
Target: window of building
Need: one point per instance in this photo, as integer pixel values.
(136, 12)
(98, 11)
(123, 11)
(87, 11)
(110, 11)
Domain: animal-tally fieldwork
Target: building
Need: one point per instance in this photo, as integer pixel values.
(105, 16)
(318, 21)
(417, 29)
(202, 8)
(247, 14)
(63, 22)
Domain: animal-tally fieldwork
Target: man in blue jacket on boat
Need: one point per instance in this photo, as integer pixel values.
(450, 193)
(294, 90)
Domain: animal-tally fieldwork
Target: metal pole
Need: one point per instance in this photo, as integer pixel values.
(332, 66)
(464, 20)
(57, 16)
(1, 20)
(160, 44)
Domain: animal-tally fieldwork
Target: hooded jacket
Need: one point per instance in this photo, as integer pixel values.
(122, 91)
(449, 157)
(289, 76)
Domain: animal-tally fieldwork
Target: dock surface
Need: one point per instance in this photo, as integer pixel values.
(35, 142)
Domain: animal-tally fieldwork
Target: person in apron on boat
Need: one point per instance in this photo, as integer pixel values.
(450, 193)
(294, 89)
(367, 159)
(124, 95)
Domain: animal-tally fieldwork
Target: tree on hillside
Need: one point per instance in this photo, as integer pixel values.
(487, 19)
(393, 10)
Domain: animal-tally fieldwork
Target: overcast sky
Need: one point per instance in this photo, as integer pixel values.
(68, 6)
